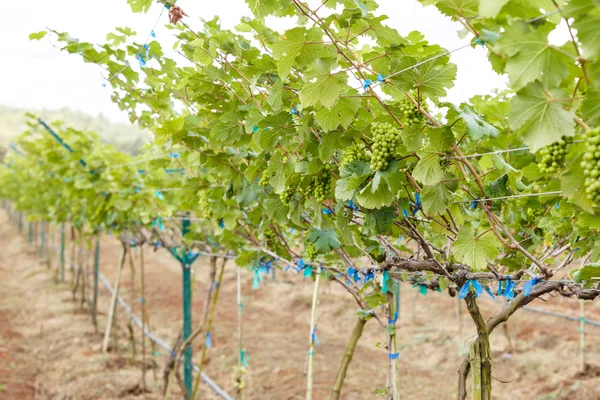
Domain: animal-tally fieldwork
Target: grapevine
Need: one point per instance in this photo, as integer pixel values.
(386, 139)
(264, 178)
(411, 112)
(287, 195)
(311, 252)
(321, 184)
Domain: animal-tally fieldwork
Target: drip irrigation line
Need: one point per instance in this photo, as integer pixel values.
(136, 320)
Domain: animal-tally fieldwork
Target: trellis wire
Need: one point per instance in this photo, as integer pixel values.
(136, 320)
(133, 162)
(509, 197)
(500, 152)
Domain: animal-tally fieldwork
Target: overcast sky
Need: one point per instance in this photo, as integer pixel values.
(37, 75)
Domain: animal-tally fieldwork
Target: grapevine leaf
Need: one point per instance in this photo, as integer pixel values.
(37, 35)
(139, 5)
(375, 194)
(262, 8)
(435, 198)
(322, 86)
(293, 47)
(275, 209)
(491, 8)
(473, 250)
(440, 139)
(538, 117)
(412, 137)
(363, 7)
(531, 57)
(589, 220)
(324, 240)
(432, 78)
(278, 171)
(379, 222)
(573, 185)
(393, 177)
(589, 34)
(477, 128)
(341, 114)
(275, 98)
(273, 130)
(591, 105)
(595, 254)
(428, 170)
(587, 273)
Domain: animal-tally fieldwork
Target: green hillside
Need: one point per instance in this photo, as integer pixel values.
(125, 137)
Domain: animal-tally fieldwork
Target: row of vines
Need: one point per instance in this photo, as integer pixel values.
(328, 148)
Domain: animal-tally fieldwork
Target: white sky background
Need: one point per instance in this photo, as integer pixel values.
(34, 74)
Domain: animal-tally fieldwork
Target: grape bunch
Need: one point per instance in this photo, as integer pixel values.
(411, 112)
(322, 184)
(385, 142)
(264, 179)
(533, 213)
(204, 205)
(273, 242)
(311, 252)
(287, 195)
(591, 165)
(354, 152)
(552, 157)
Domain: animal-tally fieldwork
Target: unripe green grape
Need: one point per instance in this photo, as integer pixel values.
(311, 252)
(552, 157)
(287, 195)
(264, 179)
(591, 165)
(204, 205)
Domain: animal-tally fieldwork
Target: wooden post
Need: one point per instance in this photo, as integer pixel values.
(581, 336)
(341, 374)
(62, 253)
(240, 342)
(42, 239)
(187, 328)
(311, 341)
(96, 275)
(113, 302)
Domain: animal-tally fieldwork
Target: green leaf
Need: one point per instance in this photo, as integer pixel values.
(380, 222)
(475, 251)
(591, 104)
(435, 198)
(589, 221)
(375, 195)
(363, 7)
(589, 34)
(275, 98)
(477, 128)
(140, 5)
(322, 86)
(293, 47)
(572, 184)
(588, 273)
(341, 114)
(595, 254)
(37, 35)
(540, 118)
(531, 57)
(431, 78)
(324, 240)
(428, 170)
(491, 8)
(412, 137)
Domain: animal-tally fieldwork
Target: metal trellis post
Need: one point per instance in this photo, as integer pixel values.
(187, 327)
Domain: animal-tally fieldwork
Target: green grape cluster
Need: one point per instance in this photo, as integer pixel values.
(204, 205)
(411, 112)
(311, 252)
(591, 165)
(533, 213)
(354, 152)
(552, 157)
(274, 243)
(321, 185)
(385, 142)
(264, 179)
(287, 195)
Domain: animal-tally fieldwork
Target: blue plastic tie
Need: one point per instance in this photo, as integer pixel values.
(158, 223)
(208, 340)
(528, 286)
(466, 288)
(352, 206)
(353, 272)
(308, 271)
(405, 213)
(221, 223)
(147, 48)
(326, 211)
(152, 33)
(314, 337)
(173, 155)
(243, 358)
(473, 204)
(367, 83)
(393, 356)
(255, 129)
(556, 206)
(159, 195)
(393, 321)
(384, 284)
(257, 278)
(140, 58)
(480, 42)
(419, 205)
(489, 292)
(293, 111)
(380, 78)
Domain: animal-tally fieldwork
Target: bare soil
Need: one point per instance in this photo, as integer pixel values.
(49, 348)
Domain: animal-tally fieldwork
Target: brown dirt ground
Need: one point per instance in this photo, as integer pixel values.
(49, 348)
